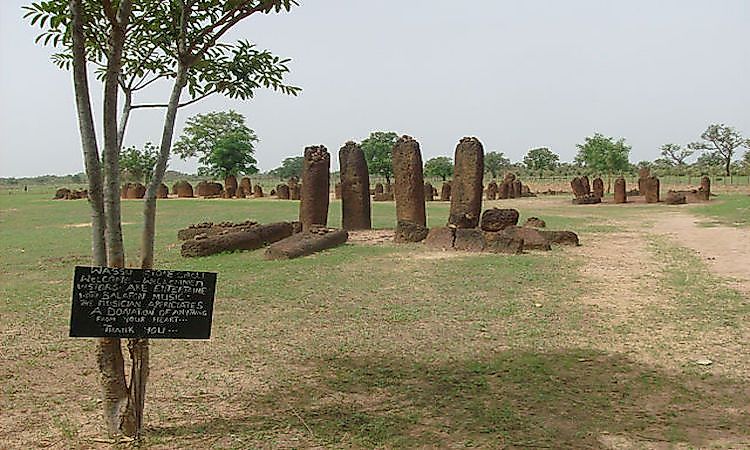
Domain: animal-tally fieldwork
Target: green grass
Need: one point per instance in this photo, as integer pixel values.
(387, 346)
(733, 210)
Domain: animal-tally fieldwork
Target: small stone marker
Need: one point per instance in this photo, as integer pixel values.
(142, 303)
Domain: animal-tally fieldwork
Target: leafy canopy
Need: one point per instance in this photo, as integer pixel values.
(138, 164)
(222, 142)
(495, 163)
(675, 154)
(602, 154)
(290, 167)
(723, 141)
(541, 159)
(441, 166)
(378, 150)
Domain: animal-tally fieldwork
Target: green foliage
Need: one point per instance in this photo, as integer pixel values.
(222, 142)
(378, 150)
(163, 34)
(441, 166)
(541, 159)
(710, 163)
(290, 167)
(675, 154)
(138, 165)
(602, 154)
(495, 163)
(721, 140)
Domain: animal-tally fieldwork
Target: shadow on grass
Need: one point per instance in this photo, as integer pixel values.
(515, 399)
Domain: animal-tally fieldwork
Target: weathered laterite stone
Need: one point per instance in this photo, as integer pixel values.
(246, 188)
(440, 238)
(445, 192)
(313, 208)
(257, 191)
(492, 190)
(517, 189)
(337, 191)
(230, 186)
(428, 192)
(282, 192)
(294, 188)
(535, 222)
(650, 190)
(354, 188)
(379, 188)
(162, 191)
(676, 198)
(704, 192)
(621, 195)
(504, 190)
(598, 187)
(496, 219)
(466, 187)
(409, 191)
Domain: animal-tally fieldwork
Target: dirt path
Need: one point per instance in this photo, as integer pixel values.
(726, 250)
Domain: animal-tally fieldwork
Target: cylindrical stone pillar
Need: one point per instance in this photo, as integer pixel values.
(354, 188)
(408, 191)
(621, 195)
(466, 187)
(313, 208)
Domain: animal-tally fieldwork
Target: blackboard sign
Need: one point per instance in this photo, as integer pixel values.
(142, 303)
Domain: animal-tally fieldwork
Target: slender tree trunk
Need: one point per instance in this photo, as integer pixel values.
(149, 207)
(124, 117)
(108, 354)
(728, 165)
(88, 138)
(115, 248)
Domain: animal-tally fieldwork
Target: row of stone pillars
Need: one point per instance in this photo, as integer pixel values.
(409, 188)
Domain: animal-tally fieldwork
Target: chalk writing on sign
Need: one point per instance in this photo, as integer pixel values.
(142, 303)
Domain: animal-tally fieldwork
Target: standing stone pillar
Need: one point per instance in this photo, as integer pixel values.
(621, 195)
(586, 185)
(257, 191)
(492, 190)
(282, 192)
(651, 188)
(246, 187)
(230, 186)
(445, 192)
(354, 188)
(379, 188)
(411, 225)
(517, 188)
(704, 192)
(313, 208)
(294, 188)
(429, 194)
(466, 188)
(598, 187)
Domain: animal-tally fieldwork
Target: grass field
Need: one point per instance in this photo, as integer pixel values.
(386, 346)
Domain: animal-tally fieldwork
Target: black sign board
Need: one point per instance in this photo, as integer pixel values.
(142, 303)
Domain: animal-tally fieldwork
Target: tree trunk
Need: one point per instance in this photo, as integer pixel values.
(124, 117)
(108, 354)
(149, 207)
(115, 249)
(88, 138)
(728, 165)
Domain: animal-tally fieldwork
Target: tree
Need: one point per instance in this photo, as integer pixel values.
(138, 165)
(603, 155)
(541, 159)
(222, 142)
(230, 156)
(711, 163)
(290, 167)
(441, 166)
(723, 141)
(676, 154)
(495, 163)
(185, 36)
(378, 150)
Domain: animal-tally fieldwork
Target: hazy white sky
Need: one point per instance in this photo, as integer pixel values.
(516, 74)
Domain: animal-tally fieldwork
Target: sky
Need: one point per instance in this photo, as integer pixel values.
(515, 74)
